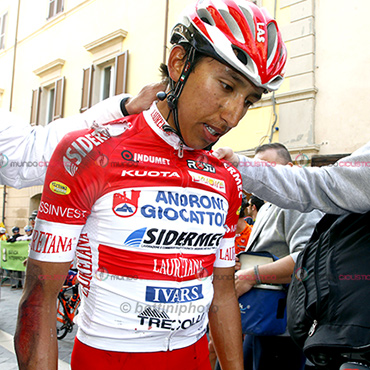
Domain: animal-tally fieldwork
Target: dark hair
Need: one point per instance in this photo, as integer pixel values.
(243, 206)
(163, 69)
(255, 201)
(281, 151)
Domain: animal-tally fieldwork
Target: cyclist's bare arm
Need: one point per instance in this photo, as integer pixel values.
(35, 338)
(224, 320)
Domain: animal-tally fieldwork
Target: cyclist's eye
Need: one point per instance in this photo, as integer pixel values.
(248, 103)
(226, 86)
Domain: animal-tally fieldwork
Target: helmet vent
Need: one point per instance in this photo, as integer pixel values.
(249, 17)
(205, 16)
(272, 42)
(241, 55)
(233, 25)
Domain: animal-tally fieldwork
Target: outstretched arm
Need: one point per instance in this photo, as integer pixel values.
(336, 189)
(35, 338)
(25, 150)
(278, 272)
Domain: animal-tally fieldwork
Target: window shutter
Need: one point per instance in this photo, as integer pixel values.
(51, 8)
(59, 6)
(2, 30)
(35, 106)
(121, 73)
(87, 85)
(59, 99)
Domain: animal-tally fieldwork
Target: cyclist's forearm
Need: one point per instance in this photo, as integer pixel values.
(35, 338)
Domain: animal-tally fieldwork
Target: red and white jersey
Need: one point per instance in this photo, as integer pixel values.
(147, 226)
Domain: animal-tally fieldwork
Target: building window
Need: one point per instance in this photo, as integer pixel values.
(47, 103)
(50, 104)
(106, 84)
(104, 80)
(55, 7)
(2, 30)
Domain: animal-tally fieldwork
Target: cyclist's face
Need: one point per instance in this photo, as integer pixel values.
(215, 98)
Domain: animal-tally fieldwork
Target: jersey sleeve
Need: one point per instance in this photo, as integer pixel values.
(225, 256)
(68, 195)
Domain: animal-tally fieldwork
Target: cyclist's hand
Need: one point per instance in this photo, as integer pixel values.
(145, 98)
(244, 281)
(227, 154)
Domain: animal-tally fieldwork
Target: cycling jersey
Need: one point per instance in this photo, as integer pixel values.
(148, 223)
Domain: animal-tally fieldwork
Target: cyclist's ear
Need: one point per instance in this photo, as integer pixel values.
(176, 61)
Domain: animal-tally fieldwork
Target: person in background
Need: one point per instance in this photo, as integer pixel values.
(15, 235)
(283, 233)
(16, 276)
(243, 229)
(3, 235)
(28, 230)
(253, 207)
(32, 219)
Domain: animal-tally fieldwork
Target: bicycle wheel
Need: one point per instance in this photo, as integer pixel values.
(62, 322)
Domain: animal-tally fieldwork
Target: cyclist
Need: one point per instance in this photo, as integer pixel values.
(150, 214)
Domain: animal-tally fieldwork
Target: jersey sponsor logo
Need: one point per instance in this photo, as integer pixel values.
(178, 267)
(157, 118)
(208, 181)
(192, 208)
(154, 317)
(170, 238)
(135, 238)
(231, 229)
(227, 254)
(202, 166)
(84, 263)
(173, 295)
(59, 188)
(123, 206)
(261, 32)
(143, 158)
(163, 238)
(237, 177)
(138, 173)
(127, 156)
(59, 211)
(80, 148)
(43, 242)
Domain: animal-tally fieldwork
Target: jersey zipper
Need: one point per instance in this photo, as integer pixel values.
(180, 152)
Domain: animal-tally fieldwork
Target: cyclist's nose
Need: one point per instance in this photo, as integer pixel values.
(233, 111)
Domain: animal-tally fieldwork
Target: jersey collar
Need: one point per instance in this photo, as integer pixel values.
(156, 121)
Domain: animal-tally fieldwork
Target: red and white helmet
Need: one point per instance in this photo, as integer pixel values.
(237, 33)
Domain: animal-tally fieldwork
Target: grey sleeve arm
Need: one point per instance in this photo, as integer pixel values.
(336, 189)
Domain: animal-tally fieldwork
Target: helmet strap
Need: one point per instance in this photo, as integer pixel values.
(174, 95)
